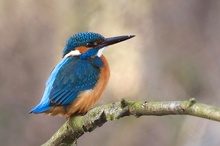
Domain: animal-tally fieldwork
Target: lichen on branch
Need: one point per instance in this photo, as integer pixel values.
(77, 125)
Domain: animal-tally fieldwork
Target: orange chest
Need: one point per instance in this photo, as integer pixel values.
(88, 98)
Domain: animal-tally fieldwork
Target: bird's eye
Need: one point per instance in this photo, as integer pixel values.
(91, 44)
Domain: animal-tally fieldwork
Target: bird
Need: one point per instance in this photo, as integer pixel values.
(79, 79)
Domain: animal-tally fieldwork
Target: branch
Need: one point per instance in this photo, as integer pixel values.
(77, 125)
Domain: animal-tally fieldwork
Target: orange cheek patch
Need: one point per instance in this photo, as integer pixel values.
(82, 49)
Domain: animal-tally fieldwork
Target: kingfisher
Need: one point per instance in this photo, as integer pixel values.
(79, 79)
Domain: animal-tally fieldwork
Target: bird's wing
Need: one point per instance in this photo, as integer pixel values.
(72, 77)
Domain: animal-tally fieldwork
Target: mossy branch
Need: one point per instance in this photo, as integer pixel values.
(96, 117)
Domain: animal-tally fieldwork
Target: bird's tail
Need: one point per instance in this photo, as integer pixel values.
(40, 108)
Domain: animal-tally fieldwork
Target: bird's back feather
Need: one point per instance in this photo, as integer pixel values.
(70, 77)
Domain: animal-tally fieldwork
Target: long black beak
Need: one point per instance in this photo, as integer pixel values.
(114, 40)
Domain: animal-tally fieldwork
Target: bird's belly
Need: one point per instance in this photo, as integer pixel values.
(84, 102)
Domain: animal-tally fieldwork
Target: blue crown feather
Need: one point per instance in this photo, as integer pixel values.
(81, 39)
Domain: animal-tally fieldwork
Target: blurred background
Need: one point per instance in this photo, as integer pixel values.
(174, 56)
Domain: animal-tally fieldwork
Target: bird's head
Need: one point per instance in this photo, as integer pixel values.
(89, 44)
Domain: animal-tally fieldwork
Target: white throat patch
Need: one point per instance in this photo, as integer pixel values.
(72, 53)
(99, 54)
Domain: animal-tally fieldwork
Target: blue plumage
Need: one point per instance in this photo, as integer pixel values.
(81, 39)
(71, 76)
(91, 52)
(76, 75)
(82, 68)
